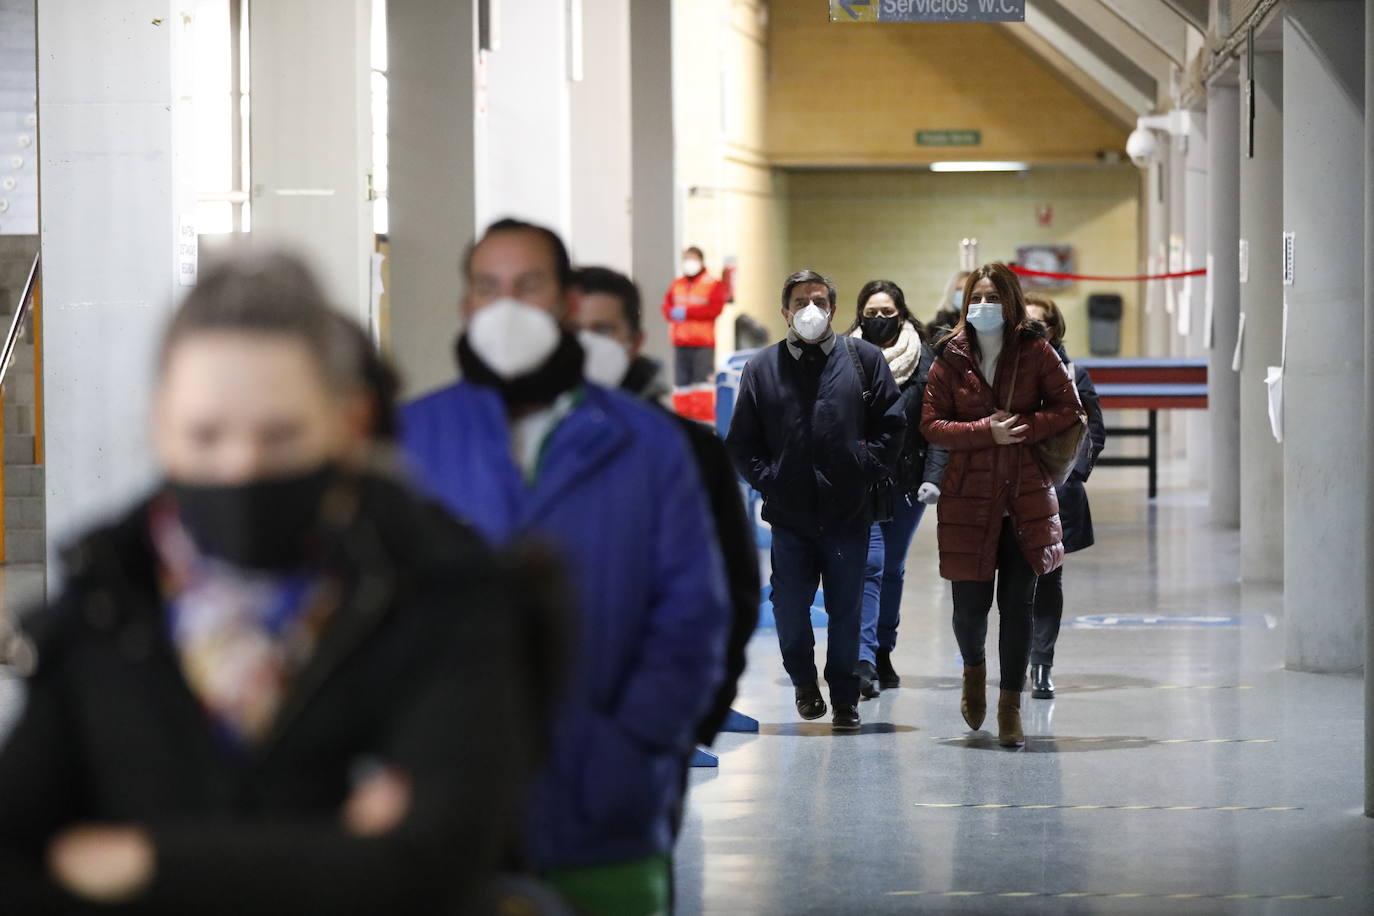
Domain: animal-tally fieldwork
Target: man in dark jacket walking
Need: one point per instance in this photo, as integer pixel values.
(816, 424)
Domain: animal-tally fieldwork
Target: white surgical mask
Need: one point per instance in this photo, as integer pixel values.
(606, 362)
(690, 267)
(513, 338)
(811, 323)
(956, 301)
(986, 317)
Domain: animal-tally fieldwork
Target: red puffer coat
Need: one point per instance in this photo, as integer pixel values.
(985, 481)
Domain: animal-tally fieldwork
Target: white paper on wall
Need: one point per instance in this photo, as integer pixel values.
(1273, 380)
(1185, 309)
(1245, 260)
(1240, 339)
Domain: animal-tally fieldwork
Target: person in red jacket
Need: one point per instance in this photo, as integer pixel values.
(996, 389)
(691, 307)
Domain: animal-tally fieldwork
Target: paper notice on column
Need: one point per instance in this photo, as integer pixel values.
(188, 252)
(1274, 380)
(1240, 339)
(1207, 310)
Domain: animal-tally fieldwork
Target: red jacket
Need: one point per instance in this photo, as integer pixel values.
(985, 481)
(704, 297)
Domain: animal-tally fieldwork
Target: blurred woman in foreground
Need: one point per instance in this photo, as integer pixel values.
(258, 691)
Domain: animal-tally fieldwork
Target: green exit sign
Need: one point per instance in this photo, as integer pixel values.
(949, 138)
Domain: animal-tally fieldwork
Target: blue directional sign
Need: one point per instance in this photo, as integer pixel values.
(927, 10)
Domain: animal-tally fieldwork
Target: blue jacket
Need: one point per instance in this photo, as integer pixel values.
(619, 497)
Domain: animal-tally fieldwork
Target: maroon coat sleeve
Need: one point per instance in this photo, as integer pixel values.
(1061, 407)
(939, 423)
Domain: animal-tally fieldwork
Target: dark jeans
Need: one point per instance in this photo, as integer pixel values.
(693, 365)
(884, 575)
(800, 563)
(1015, 589)
(1049, 611)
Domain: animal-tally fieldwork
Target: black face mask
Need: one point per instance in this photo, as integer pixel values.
(561, 372)
(269, 524)
(881, 332)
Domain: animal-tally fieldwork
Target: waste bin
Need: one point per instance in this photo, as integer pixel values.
(1104, 324)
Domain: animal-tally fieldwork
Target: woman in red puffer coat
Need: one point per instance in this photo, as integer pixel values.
(996, 389)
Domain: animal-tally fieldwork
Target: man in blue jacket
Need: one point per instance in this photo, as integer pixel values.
(816, 424)
(525, 448)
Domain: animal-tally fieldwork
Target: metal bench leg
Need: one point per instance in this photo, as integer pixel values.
(1154, 453)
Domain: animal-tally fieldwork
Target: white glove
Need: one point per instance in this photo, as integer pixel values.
(928, 494)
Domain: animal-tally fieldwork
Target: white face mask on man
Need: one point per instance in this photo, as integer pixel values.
(606, 360)
(691, 267)
(811, 323)
(512, 337)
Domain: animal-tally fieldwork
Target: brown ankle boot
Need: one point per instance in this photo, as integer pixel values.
(1009, 733)
(974, 704)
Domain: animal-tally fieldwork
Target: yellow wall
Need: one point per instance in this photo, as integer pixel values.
(905, 225)
(731, 199)
(856, 94)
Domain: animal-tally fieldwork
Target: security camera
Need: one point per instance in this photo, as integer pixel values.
(1142, 146)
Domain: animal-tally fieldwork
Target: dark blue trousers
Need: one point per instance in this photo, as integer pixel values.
(800, 563)
(884, 575)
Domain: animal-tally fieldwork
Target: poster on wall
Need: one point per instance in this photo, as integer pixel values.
(1053, 259)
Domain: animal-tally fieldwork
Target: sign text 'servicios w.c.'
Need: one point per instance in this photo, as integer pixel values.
(927, 10)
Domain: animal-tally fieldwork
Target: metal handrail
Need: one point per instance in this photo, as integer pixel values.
(21, 312)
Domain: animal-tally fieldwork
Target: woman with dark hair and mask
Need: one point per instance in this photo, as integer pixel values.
(254, 692)
(997, 388)
(882, 319)
(1074, 511)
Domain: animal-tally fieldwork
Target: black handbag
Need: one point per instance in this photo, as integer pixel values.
(881, 492)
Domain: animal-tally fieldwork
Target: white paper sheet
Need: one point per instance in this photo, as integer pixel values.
(1273, 379)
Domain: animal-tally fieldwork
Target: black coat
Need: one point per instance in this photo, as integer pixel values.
(413, 669)
(1074, 511)
(920, 462)
(734, 531)
(803, 435)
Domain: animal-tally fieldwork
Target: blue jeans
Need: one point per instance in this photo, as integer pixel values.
(800, 563)
(884, 574)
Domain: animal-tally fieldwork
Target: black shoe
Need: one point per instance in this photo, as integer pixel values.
(1042, 688)
(868, 684)
(810, 703)
(887, 675)
(846, 718)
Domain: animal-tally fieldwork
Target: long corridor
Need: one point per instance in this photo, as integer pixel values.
(1180, 769)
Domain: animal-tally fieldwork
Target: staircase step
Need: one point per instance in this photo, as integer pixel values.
(19, 419)
(25, 545)
(19, 387)
(19, 449)
(24, 480)
(23, 512)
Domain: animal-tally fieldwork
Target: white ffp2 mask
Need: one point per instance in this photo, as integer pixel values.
(512, 337)
(811, 323)
(606, 361)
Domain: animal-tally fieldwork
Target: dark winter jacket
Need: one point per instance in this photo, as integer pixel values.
(803, 435)
(986, 481)
(403, 674)
(920, 462)
(1074, 512)
(735, 533)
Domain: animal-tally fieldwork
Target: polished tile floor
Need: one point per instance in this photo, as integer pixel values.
(1180, 769)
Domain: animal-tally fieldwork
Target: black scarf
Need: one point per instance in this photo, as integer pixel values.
(560, 372)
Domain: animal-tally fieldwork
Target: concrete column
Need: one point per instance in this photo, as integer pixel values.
(653, 169)
(1369, 418)
(1196, 204)
(522, 116)
(1324, 441)
(431, 61)
(1223, 385)
(108, 86)
(1261, 299)
(311, 139)
(599, 134)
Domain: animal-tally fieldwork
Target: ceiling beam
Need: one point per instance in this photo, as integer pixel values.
(1130, 43)
(1080, 80)
(1157, 22)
